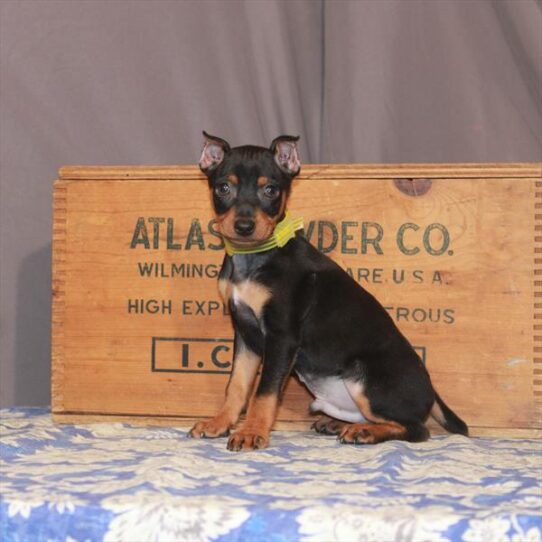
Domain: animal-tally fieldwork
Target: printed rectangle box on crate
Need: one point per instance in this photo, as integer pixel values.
(452, 251)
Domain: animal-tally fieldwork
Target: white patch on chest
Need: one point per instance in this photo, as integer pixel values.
(332, 398)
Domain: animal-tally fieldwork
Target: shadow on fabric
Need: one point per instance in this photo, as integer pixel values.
(33, 330)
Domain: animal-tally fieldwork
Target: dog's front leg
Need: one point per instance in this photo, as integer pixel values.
(279, 354)
(245, 367)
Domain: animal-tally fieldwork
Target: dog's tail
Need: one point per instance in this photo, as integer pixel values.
(446, 417)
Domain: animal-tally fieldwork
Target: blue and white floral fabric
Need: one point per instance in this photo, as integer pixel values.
(116, 482)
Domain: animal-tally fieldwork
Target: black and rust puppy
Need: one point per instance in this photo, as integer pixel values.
(295, 309)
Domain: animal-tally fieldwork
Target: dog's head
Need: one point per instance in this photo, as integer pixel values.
(249, 185)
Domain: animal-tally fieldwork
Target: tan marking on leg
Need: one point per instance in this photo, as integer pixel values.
(355, 389)
(253, 294)
(245, 367)
(372, 433)
(254, 431)
(369, 433)
(225, 289)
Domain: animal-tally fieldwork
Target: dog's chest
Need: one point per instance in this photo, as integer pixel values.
(247, 292)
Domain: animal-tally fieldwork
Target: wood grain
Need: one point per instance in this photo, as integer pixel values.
(537, 327)
(317, 171)
(58, 293)
(467, 251)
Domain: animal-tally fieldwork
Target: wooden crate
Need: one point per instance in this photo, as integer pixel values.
(452, 251)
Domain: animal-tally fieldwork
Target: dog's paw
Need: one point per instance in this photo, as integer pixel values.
(357, 433)
(247, 440)
(210, 429)
(328, 426)
(372, 433)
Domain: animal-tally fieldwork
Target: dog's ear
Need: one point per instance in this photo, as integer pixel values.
(286, 154)
(213, 152)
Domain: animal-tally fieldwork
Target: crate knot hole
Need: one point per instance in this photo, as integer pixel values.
(413, 187)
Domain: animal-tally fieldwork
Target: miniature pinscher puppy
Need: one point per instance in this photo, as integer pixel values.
(295, 309)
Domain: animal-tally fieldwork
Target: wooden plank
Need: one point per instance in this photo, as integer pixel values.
(137, 317)
(58, 292)
(537, 329)
(316, 171)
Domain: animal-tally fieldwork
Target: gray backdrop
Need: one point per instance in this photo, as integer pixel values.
(135, 82)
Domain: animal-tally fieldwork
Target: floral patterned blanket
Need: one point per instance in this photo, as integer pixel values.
(116, 482)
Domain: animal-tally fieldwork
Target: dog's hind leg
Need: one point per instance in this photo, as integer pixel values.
(382, 428)
(373, 433)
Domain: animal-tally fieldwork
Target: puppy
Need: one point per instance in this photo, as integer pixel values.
(293, 308)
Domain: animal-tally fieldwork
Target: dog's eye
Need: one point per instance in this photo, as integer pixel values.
(223, 189)
(271, 191)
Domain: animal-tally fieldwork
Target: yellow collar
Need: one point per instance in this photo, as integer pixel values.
(284, 231)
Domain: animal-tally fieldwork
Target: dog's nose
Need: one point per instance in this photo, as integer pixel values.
(244, 226)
